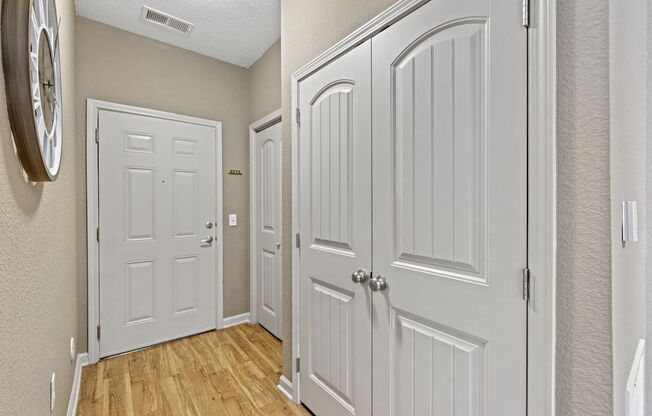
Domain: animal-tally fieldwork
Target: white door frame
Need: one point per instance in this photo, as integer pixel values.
(541, 191)
(93, 108)
(258, 125)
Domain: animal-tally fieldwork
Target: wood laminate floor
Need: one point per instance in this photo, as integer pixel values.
(233, 371)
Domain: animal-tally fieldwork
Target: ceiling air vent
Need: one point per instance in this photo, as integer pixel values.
(164, 19)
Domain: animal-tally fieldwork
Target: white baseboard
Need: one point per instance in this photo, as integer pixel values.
(243, 318)
(285, 387)
(82, 360)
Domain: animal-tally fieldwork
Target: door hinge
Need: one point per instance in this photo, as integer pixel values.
(526, 13)
(298, 114)
(97, 234)
(298, 364)
(526, 284)
(99, 332)
(97, 135)
(297, 240)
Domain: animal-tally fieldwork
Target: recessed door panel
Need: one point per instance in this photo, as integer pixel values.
(331, 325)
(436, 371)
(330, 143)
(269, 280)
(186, 284)
(140, 204)
(268, 197)
(185, 147)
(440, 150)
(140, 291)
(184, 194)
(139, 142)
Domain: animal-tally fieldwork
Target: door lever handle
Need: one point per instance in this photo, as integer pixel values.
(207, 241)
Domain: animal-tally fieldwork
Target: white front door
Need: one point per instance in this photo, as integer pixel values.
(156, 193)
(449, 211)
(268, 223)
(335, 223)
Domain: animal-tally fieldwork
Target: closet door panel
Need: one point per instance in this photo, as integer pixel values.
(449, 211)
(335, 223)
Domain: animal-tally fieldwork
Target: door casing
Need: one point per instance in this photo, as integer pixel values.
(541, 191)
(93, 108)
(255, 127)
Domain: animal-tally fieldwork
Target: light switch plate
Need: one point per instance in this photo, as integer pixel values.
(53, 392)
(630, 221)
(233, 220)
(72, 348)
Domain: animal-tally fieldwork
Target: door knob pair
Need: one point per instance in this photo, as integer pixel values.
(376, 283)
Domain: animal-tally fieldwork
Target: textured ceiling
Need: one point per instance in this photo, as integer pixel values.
(234, 31)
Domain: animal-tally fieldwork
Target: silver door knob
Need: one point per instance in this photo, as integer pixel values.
(360, 276)
(378, 283)
(207, 241)
(209, 225)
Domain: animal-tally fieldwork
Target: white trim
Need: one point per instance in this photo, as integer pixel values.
(258, 125)
(542, 223)
(93, 108)
(82, 361)
(294, 127)
(285, 387)
(243, 318)
(383, 20)
(542, 197)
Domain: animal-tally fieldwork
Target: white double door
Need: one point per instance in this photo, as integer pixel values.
(157, 192)
(413, 169)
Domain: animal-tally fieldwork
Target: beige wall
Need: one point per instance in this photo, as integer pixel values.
(308, 27)
(265, 83)
(118, 66)
(38, 261)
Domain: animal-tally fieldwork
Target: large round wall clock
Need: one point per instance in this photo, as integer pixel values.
(32, 72)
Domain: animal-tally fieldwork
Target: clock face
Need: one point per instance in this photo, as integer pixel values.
(45, 77)
(30, 35)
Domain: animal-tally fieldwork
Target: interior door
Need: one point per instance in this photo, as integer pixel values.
(157, 192)
(335, 223)
(449, 211)
(268, 233)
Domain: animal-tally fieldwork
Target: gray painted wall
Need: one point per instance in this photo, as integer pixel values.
(648, 228)
(628, 119)
(584, 350)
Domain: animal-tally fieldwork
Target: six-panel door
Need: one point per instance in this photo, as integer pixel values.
(335, 217)
(156, 193)
(449, 211)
